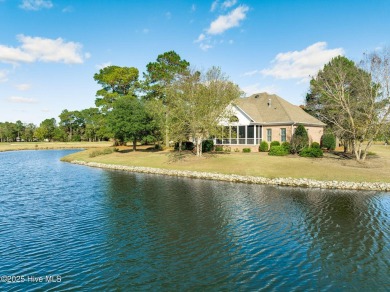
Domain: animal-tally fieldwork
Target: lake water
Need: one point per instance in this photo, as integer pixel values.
(80, 228)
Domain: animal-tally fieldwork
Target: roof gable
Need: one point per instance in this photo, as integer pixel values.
(267, 108)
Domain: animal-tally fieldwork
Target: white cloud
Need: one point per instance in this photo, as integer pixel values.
(36, 4)
(230, 20)
(229, 3)
(205, 47)
(42, 49)
(214, 6)
(222, 23)
(3, 76)
(87, 55)
(67, 9)
(19, 99)
(193, 8)
(103, 65)
(45, 110)
(146, 30)
(23, 86)
(257, 88)
(200, 38)
(251, 73)
(13, 55)
(168, 15)
(301, 64)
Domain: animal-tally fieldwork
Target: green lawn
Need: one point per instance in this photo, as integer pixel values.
(331, 167)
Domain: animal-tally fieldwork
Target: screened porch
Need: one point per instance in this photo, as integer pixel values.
(239, 135)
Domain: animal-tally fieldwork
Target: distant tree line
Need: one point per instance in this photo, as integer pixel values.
(171, 103)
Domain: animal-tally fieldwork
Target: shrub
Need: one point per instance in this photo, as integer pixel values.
(315, 145)
(246, 150)
(158, 147)
(185, 146)
(274, 143)
(207, 145)
(218, 148)
(236, 150)
(328, 141)
(99, 152)
(311, 152)
(299, 140)
(227, 149)
(286, 145)
(263, 146)
(277, 151)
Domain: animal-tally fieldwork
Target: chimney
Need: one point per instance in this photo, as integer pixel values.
(269, 102)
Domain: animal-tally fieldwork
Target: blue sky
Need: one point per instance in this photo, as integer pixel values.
(50, 49)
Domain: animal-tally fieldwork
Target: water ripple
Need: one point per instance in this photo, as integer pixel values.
(109, 230)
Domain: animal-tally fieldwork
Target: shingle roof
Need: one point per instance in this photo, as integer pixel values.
(267, 108)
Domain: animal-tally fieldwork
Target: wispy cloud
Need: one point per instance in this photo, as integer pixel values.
(3, 76)
(222, 23)
(251, 73)
(34, 49)
(36, 5)
(258, 88)
(214, 6)
(168, 15)
(23, 86)
(205, 47)
(193, 8)
(230, 20)
(19, 99)
(67, 9)
(301, 64)
(103, 65)
(228, 3)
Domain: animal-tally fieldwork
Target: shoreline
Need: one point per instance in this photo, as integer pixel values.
(289, 182)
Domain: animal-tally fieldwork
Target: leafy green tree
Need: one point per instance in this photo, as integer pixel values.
(128, 120)
(46, 129)
(353, 100)
(116, 82)
(72, 122)
(168, 67)
(28, 134)
(202, 101)
(299, 140)
(19, 126)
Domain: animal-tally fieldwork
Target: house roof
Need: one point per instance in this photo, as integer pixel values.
(264, 108)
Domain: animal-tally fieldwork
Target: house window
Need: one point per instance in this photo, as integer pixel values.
(269, 135)
(283, 135)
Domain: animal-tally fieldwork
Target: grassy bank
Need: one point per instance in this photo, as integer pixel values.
(50, 145)
(331, 167)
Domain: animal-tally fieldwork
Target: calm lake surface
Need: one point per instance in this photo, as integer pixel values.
(107, 230)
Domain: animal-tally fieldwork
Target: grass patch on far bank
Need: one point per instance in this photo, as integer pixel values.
(13, 146)
(330, 167)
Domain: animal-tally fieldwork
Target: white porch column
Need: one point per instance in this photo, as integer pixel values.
(254, 135)
(246, 135)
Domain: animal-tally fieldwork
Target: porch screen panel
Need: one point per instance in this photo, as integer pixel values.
(241, 134)
(251, 135)
(233, 136)
(226, 135)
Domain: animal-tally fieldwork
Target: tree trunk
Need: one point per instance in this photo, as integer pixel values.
(134, 144)
(199, 147)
